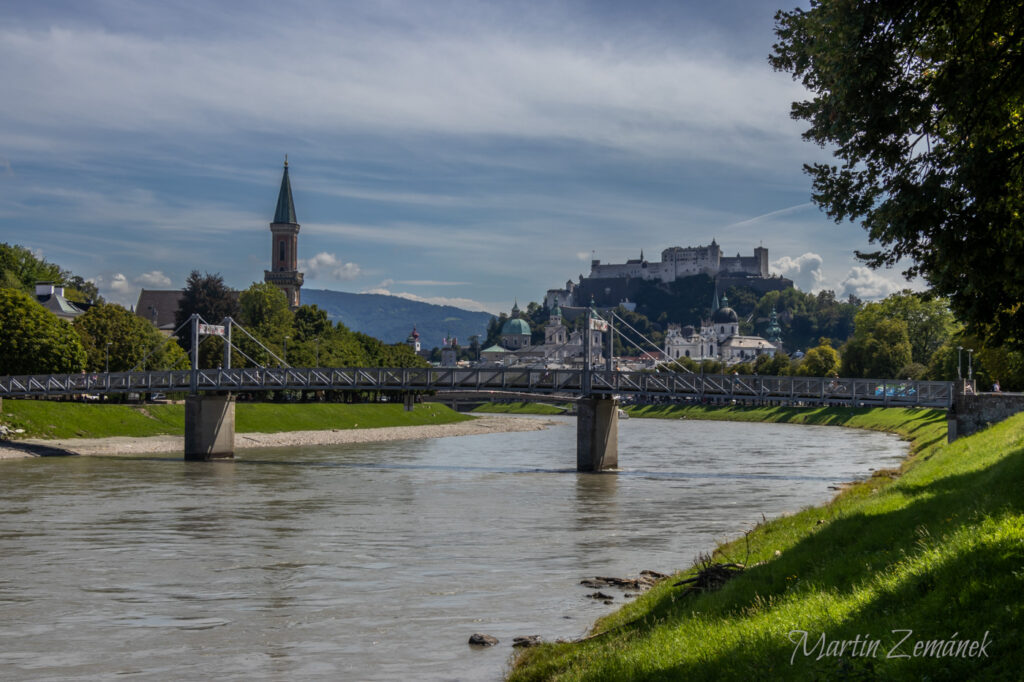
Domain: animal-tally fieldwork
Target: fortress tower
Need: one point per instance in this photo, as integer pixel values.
(284, 245)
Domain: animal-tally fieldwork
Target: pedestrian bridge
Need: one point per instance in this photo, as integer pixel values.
(210, 406)
(567, 383)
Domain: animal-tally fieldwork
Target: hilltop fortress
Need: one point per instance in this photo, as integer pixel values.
(614, 283)
(680, 261)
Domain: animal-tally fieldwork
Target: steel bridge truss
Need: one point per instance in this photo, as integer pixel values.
(644, 385)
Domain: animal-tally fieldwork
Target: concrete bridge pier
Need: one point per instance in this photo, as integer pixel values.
(597, 434)
(209, 427)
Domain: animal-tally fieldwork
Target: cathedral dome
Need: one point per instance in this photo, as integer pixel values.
(725, 316)
(515, 326)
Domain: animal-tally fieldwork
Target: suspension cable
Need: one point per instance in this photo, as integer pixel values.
(672, 361)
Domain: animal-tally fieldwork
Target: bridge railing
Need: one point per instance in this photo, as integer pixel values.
(659, 384)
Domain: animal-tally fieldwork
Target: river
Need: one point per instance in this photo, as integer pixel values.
(374, 562)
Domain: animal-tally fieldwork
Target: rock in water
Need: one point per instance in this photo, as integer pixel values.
(526, 641)
(479, 639)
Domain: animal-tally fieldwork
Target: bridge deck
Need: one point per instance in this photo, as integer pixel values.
(647, 385)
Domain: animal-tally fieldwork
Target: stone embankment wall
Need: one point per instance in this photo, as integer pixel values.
(973, 412)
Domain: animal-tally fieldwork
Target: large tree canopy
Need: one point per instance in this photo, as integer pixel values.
(35, 341)
(21, 269)
(116, 337)
(923, 103)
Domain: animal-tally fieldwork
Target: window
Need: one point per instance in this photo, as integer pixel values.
(280, 251)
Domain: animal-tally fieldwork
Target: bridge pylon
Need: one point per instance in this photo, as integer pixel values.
(597, 416)
(209, 426)
(209, 417)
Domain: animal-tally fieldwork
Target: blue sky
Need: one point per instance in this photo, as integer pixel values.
(456, 152)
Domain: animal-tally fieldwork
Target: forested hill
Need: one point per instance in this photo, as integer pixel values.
(391, 318)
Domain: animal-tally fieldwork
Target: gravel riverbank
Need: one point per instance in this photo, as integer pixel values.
(244, 441)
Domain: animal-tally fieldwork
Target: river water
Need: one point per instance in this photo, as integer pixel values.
(373, 561)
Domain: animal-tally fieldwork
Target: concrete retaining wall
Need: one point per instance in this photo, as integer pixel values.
(972, 412)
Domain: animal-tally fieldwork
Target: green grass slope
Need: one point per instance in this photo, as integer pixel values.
(45, 419)
(934, 555)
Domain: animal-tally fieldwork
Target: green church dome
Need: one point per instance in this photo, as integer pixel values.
(515, 326)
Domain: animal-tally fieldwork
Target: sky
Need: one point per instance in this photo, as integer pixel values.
(458, 152)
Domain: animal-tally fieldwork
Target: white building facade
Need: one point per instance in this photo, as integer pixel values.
(718, 339)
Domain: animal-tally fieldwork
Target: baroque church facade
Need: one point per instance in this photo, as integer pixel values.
(719, 338)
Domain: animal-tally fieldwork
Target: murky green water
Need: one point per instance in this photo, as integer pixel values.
(373, 562)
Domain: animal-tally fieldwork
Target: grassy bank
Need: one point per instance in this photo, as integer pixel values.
(521, 408)
(45, 419)
(937, 551)
(923, 428)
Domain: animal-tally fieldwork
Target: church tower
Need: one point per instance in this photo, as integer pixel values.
(284, 245)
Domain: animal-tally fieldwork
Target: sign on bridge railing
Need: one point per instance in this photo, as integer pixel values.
(212, 330)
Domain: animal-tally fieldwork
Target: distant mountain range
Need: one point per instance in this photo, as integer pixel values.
(391, 318)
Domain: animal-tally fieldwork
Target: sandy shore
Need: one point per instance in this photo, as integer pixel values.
(159, 444)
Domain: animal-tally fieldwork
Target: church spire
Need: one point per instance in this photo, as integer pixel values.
(285, 212)
(284, 245)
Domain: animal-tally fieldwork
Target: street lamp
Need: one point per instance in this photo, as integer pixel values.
(108, 358)
(286, 350)
(959, 374)
(970, 369)
(318, 351)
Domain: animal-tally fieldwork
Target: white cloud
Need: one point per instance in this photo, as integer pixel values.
(116, 287)
(804, 270)
(328, 266)
(153, 279)
(488, 81)
(865, 283)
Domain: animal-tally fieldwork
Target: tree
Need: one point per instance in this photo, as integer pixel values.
(820, 361)
(310, 322)
(34, 340)
(208, 296)
(922, 101)
(131, 339)
(21, 269)
(879, 348)
(777, 365)
(929, 322)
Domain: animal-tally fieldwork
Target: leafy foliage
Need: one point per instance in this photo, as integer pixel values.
(21, 269)
(821, 361)
(929, 322)
(923, 104)
(878, 349)
(35, 341)
(128, 338)
(211, 299)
